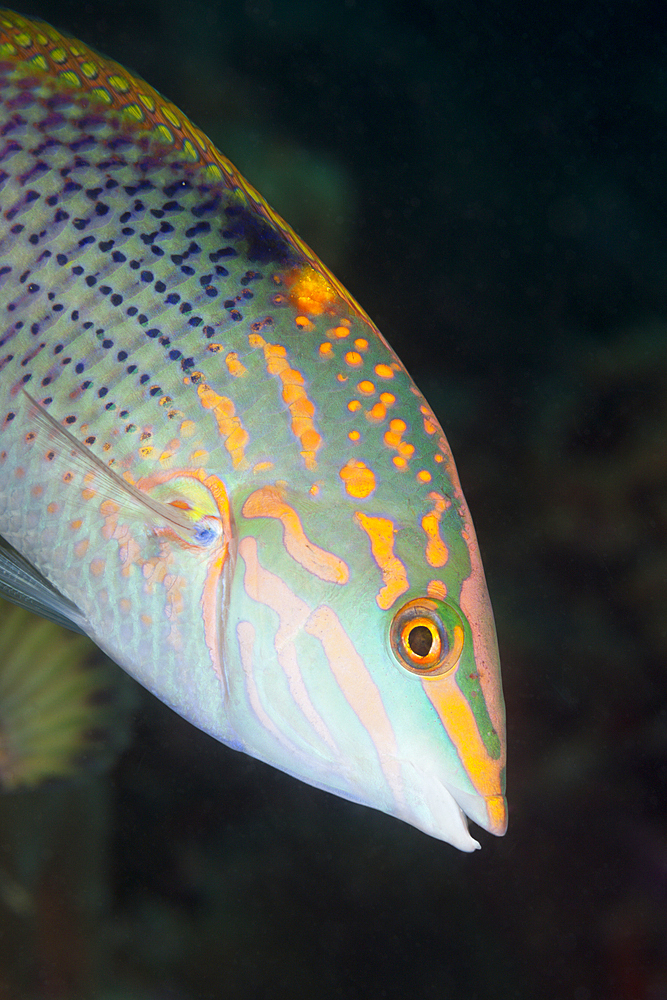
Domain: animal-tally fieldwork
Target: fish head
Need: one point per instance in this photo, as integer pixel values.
(364, 668)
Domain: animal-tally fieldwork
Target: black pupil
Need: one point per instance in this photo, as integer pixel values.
(420, 640)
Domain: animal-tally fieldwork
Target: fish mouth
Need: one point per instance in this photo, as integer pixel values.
(443, 811)
(487, 811)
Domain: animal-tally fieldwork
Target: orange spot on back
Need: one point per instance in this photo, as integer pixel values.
(384, 371)
(387, 398)
(353, 405)
(311, 293)
(361, 344)
(366, 388)
(381, 532)
(377, 413)
(359, 480)
(269, 502)
(353, 359)
(424, 476)
(394, 439)
(234, 366)
(326, 350)
(354, 435)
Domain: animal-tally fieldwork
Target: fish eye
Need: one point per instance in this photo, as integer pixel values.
(427, 637)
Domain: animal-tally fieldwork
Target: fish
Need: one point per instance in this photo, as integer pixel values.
(213, 464)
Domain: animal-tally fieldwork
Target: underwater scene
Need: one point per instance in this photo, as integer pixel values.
(488, 182)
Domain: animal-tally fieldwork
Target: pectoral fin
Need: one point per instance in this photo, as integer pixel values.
(22, 584)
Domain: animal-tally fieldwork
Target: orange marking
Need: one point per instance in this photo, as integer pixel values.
(229, 425)
(310, 292)
(377, 413)
(437, 552)
(353, 359)
(146, 620)
(97, 567)
(37, 491)
(326, 350)
(387, 398)
(53, 508)
(269, 502)
(437, 590)
(381, 531)
(262, 466)
(354, 435)
(81, 548)
(361, 344)
(170, 451)
(424, 476)
(268, 589)
(245, 633)
(339, 332)
(304, 323)
(75, 525)
(384, 371)
(439, 458)
(459, 723)
(353, 405)
(430, 423)
(300, 406)
(358, 478)
(366, 388)
(234, 366)
(360, 691)
(125, 605)
(393, 439)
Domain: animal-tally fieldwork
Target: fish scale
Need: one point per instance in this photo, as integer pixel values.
(210, 450)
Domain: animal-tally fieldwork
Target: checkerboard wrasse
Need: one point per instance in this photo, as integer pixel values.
(214, 465)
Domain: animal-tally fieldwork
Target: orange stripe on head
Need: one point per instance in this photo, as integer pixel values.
(381, 531)
(269, 502)
(360, 691)
(245, 633)
(459, 723)
(268, 589)
(437, 552)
